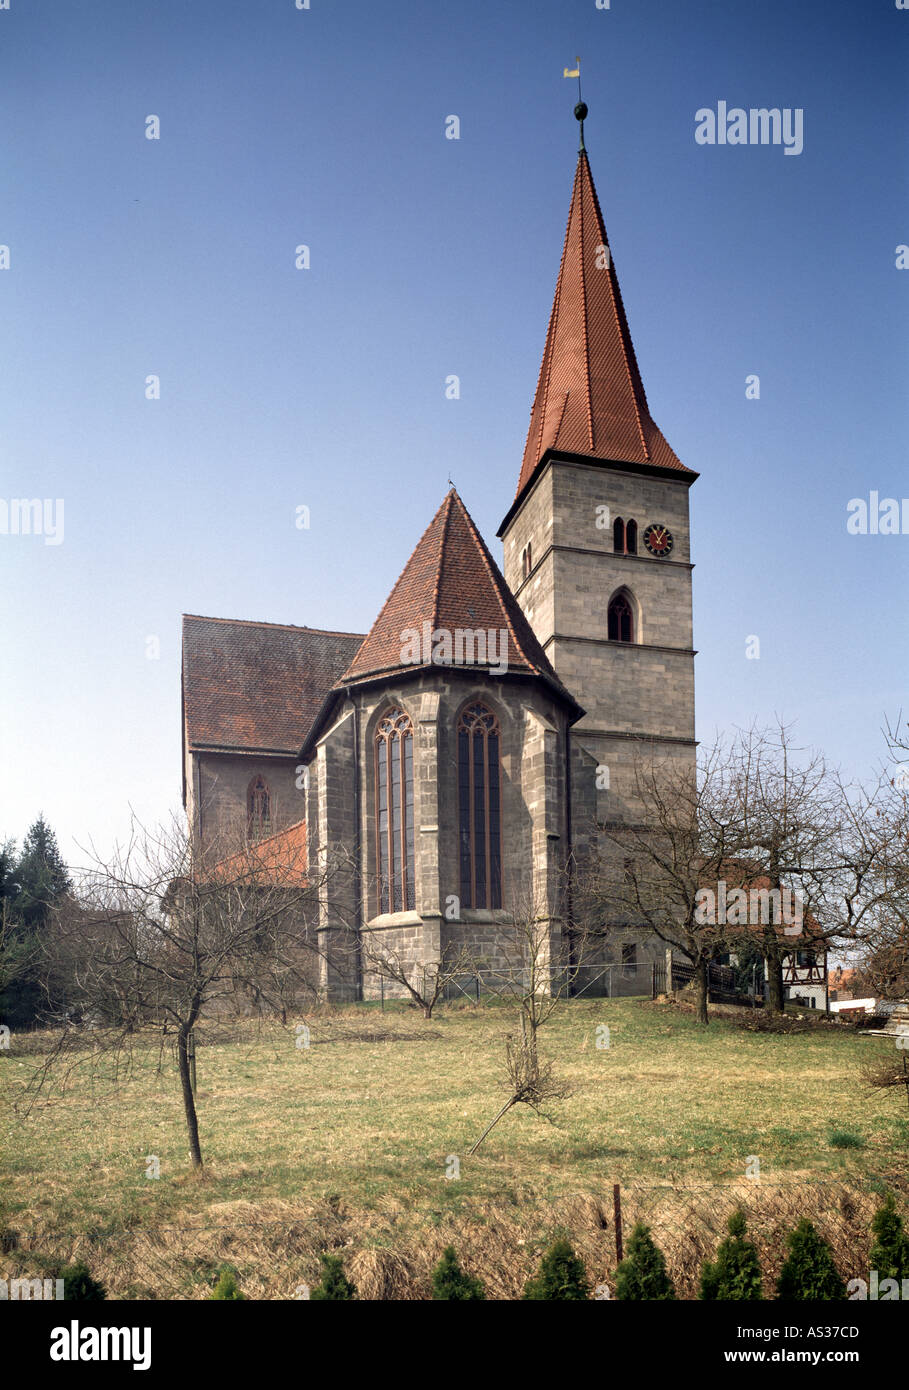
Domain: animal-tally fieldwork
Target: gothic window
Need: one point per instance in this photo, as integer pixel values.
(526, 560)
(620, 620)
(631, 538)
(394, 812)
(258, 809)
(480, 842)
(618, 536)
(629, 958)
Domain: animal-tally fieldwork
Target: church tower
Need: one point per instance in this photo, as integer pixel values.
(597, 538)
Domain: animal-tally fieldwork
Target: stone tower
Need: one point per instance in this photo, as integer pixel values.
(597, 537)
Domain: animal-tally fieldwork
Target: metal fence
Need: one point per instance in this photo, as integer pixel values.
(279, 1258)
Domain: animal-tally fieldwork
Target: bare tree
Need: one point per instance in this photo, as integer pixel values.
(424, 981)
(797, 851)
(885, 964)
(161, 937)
(654, 868)
(539, 952)
(886, 1076)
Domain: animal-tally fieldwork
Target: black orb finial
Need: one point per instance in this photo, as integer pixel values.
(580, 112)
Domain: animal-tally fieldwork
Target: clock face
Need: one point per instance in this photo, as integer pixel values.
(658, 539)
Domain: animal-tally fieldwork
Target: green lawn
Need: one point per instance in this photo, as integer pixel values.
(357, 1130)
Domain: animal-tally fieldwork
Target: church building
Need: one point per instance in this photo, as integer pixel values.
(459, 755)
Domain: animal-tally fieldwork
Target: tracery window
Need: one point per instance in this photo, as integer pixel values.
(479, 808)
(258, 809)
(394, 812)
(620, 620)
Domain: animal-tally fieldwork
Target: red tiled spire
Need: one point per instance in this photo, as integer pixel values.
(590, 398)
(450, 582)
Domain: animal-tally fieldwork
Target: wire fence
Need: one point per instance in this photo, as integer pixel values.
(613, 980)
(278, 1258)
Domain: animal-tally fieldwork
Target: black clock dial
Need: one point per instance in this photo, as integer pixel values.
(658, 539)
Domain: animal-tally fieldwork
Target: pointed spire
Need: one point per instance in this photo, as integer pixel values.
(590, 398)
(450, 583)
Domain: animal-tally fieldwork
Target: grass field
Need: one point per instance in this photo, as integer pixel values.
(347, 1142)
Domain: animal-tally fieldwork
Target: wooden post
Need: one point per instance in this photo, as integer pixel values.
(653, 979)
(382, 988)
(617, 1216)
(668, 969)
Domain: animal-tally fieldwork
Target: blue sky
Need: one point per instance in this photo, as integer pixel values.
(324, 388)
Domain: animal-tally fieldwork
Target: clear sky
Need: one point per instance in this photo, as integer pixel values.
(324, 388)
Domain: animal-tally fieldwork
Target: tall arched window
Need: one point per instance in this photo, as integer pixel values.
(394, 812)
(618, 536)
(621, 620)
(479, 809)
(631, 538)
(526, 560)
(258, 809)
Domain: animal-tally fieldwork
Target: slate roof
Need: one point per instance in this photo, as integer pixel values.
(590, 398)
(257, 687)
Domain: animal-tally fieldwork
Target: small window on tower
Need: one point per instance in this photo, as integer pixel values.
(618, 536)
(631, 538)
(620, 620)
(526, 560)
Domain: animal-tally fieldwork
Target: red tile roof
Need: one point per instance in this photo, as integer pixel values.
(590, 398)
(257, 686)
(279, 859)
(450, 582)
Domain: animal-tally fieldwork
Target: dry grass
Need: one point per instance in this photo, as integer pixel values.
(344, 1146)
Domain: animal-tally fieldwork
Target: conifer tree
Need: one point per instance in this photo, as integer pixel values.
(227, 1287)
(79, 1286)
(735, 1274)
(808, 1271)
(561, 1275)
(642, 1273)
(890, 1251)
(334, 1284)
(31, 884)
(450, 1281)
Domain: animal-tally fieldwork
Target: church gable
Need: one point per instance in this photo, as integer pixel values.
(451, 606)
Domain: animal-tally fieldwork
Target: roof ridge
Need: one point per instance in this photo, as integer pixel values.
(446, 521)
(550, 338)
(255, 622)
(621, 321)
(491, 571)
(392, 590)
(586, 333)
